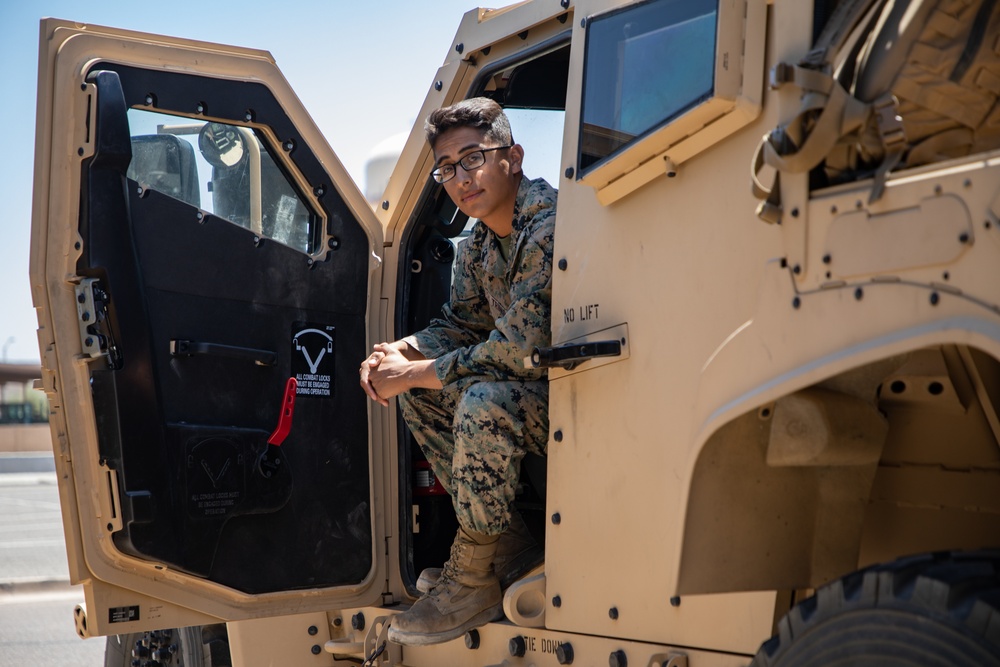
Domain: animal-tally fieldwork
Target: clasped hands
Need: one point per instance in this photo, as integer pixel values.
(383, 372)
(393, 368)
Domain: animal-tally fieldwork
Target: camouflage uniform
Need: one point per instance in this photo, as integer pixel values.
(475, 431)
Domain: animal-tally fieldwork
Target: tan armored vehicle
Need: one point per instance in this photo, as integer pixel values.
(775, 372)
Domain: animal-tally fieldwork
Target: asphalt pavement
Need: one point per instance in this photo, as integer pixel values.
(36, 598)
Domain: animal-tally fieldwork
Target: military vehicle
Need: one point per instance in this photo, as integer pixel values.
(775, 370)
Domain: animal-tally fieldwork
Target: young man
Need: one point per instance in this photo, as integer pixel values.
(464, 390)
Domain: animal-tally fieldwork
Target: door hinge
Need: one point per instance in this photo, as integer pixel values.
(96, 335)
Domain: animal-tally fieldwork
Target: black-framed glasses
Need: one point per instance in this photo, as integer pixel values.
(445, 172)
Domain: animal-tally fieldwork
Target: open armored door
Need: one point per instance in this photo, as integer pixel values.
(195, 245)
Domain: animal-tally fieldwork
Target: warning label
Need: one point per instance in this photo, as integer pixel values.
(313, 359)
(123, 614)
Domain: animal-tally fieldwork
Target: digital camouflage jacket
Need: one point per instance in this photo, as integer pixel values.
(499, 310)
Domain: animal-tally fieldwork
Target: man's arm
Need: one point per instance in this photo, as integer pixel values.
(393, 368)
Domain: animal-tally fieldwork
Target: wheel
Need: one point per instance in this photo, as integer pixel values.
(198, 646)
(936, 610)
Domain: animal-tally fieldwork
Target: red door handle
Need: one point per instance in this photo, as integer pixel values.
(287, 412)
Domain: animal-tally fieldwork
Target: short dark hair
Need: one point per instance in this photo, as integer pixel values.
(481, 113)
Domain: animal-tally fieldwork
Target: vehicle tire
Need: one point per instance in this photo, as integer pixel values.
(198, 646)
(931, 610)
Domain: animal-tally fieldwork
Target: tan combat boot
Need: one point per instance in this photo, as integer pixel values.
(517, 553)
(466, 595)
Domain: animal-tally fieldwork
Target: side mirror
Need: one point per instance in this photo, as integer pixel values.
(221, 145)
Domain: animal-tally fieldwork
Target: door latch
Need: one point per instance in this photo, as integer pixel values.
(568, 356)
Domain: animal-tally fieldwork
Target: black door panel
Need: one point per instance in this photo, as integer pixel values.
(184, 431)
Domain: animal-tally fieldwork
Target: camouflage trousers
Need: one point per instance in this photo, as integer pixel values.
(474, 433)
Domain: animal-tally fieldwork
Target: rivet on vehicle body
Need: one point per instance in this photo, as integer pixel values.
(833, 210)
(618, 659)
(827, 258)
(963, 237)
(316, 649)
(289, 145)
(946, 276)
(358, 621)
(310, 261)
(517, 646)
(460, 47)
(796, 303)
(583, 22)
(564, 654)
(563, 264)
(562, 18)
(248, 116)
(319, 191)
(675, 601)
(337, 622)
(312, 630)
(85, 317)
(438, 85)
(385, 205)
(523, 35)
(797, 269)
(81, 298)
(569, 172)
(472, 640)
(556, 518)
(333, 243)
(88, 341)
(967, 183)
(149, 100)
(558, 435)
(935, 298)
(859, 294)
(613, 613)
(199, 215)
(564, 4)
(79, 151)
(556, 601)
(200, 108)
(77, 246)
(795, 212)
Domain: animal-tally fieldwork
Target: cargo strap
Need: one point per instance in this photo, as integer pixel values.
(827, 112)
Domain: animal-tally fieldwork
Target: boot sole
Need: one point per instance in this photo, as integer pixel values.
(425, 639)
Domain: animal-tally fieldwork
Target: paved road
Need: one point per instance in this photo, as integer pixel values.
(36, 630)
(36, 600)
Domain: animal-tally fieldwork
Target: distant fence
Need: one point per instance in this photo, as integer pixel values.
(22, 413)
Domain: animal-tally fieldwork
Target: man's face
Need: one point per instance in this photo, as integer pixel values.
(489, 191)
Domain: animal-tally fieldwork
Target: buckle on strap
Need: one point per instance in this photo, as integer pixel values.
(889, 123)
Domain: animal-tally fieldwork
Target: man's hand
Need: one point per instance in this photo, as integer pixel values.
(393, 368)
(370, 363)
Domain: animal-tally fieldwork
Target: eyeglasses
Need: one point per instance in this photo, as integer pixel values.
(473, 160)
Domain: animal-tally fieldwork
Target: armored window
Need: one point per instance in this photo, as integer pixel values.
(662, 81)
(223, 169)
(644, 66)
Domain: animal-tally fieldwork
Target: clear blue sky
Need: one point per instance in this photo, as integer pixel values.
(362, 69)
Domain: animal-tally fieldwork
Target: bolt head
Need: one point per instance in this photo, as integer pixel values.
(556, 601)
(563, 264)
(516, 646)
(358, 621)
(472, 639)
(564, 654)
(618, 659)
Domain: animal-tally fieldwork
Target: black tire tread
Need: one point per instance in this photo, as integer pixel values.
(955, 592)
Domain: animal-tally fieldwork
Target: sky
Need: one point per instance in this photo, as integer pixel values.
(366, 66)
